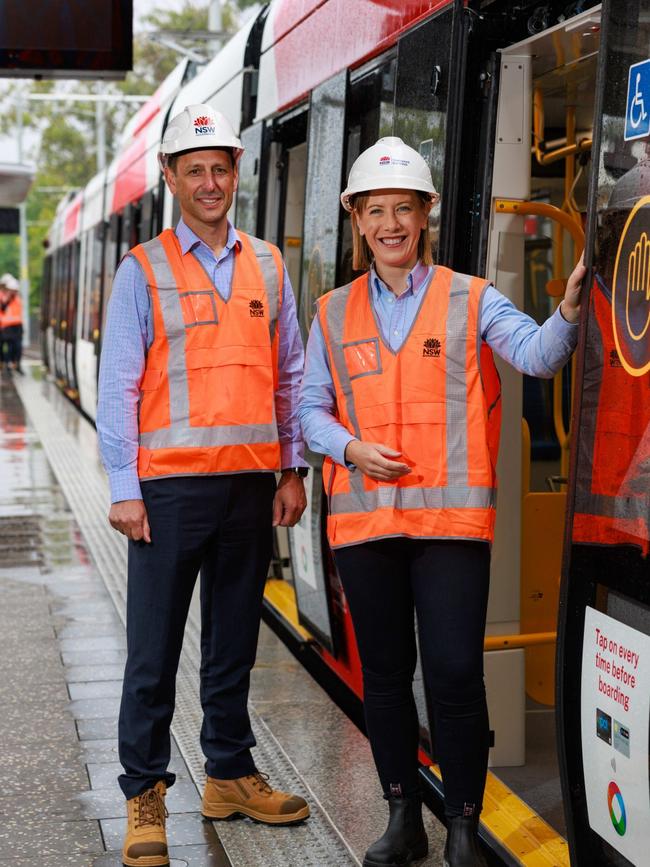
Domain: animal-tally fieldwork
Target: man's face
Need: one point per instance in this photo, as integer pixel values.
(204, 183)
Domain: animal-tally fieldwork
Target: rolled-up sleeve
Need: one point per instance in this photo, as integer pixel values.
(127, 335)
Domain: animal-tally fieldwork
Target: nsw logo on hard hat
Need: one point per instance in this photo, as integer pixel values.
(393, 161)
(204, 125)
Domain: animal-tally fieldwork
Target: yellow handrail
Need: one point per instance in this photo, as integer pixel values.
(522, 207)
(525, 639)
(545, 157)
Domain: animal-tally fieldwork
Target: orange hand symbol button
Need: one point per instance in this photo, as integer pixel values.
(638, 281)
(631, 291)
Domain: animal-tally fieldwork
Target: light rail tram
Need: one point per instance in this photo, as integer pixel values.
(535, 120)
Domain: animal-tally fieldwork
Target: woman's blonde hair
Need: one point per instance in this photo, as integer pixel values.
(361, 252)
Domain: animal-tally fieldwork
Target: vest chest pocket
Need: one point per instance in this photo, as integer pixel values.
(198, 308)
(362, 357)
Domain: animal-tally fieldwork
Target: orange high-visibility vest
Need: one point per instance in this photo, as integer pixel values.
(207, 396)
(13, 314)
(437, 400)
(612, 500)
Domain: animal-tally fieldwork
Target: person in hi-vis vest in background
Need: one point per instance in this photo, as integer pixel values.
(200, 370)
(11, 323)
(402, 395)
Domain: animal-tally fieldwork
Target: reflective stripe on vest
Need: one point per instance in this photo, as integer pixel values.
(612, 498)
(362, 495)
(162, 262)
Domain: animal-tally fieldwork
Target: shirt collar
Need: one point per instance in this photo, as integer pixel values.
(188, 239)
(415, 280)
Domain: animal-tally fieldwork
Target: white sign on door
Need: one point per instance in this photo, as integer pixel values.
(615, 721)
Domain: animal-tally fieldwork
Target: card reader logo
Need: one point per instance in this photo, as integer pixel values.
(616, 807)
(204, 125)
(431, 347)
(256, 308)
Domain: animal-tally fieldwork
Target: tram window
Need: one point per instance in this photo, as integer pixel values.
(370, 115)
(110, 255)
(323, 207)
(93, 284)
(421, 96)
(126, 230)
(251, 178)
(147, 208)
(176, 211)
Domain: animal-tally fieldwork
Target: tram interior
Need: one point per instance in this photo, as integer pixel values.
(559, 84)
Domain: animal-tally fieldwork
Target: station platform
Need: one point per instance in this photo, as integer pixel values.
(62, 585)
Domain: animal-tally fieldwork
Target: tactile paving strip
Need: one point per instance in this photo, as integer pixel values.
(316, 842)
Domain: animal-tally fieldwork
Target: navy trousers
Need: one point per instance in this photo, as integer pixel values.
(220, 526)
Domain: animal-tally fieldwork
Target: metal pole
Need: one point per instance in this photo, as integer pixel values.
(100, 129)
(215, 24)
(22, 213)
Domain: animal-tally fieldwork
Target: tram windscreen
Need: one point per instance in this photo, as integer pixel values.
(69, 37)
(613, 456)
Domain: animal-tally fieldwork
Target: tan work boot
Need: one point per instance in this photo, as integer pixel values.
(145, 844)
(254, 797)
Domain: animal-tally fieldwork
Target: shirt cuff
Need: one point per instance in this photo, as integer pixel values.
(124, 485)
(292, 455)
(564, 321)
(338, 444)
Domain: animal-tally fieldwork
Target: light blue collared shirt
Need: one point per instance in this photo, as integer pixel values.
(128, 334)
(538, 350)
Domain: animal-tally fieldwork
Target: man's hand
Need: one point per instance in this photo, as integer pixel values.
(373, 460)
(129, 517)
(290, 500)
(570, 306)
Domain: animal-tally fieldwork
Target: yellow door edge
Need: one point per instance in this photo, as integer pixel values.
(281, 595)
(519, 830)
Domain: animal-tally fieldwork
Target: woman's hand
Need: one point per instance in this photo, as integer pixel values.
(570, 305)
(373, 459)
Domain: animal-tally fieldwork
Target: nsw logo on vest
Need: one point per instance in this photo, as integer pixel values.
(256, 308)
(204, 125)
(431, 347)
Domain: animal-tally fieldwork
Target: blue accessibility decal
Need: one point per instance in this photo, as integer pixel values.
(637, 116)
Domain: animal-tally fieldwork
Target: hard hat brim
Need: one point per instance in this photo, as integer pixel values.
(349, 194)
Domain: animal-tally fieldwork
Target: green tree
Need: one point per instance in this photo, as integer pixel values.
(63, 136)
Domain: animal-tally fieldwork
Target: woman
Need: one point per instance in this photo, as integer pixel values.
(402, 396)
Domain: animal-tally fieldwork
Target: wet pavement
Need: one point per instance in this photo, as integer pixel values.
(62, 605)
(60, 682)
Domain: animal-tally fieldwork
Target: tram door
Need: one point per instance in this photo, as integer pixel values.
(604, 630)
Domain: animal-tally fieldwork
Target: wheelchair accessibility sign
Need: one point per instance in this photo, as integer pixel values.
(637, 118)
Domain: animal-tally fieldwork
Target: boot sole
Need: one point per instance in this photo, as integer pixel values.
(229, 811)
(146, 861)
(417, 855)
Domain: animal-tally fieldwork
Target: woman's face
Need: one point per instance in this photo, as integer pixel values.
(391, 222)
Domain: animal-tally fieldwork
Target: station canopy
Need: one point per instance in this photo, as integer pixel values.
(15, 182)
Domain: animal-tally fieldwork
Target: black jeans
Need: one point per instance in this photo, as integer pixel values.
(220, 525)
(446, 584)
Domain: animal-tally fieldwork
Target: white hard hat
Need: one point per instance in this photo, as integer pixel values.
(198, 127)
(388, 164)
(10, 282)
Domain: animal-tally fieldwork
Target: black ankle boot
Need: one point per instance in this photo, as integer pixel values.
(405, 839)
(462, 846)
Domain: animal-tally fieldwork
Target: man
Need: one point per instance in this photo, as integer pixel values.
(11, 313)
(200, 369)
